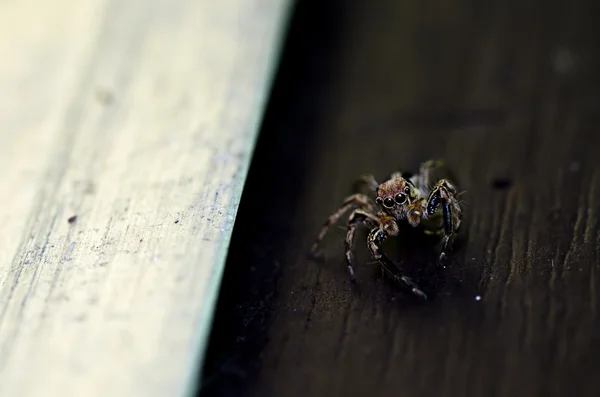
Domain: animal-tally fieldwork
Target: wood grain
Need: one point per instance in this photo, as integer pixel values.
(126, 133)
(499, 90)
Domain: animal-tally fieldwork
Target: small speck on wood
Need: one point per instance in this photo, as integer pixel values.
(177, 221)
(502, 183)
(72, 219)
(105, 97)
(575, 166)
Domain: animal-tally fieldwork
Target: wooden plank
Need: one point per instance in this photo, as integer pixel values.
(499, 90)
(126, 134)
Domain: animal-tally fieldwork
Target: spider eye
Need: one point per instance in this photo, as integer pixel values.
(400, 198)
(388, 202)
(379, 200)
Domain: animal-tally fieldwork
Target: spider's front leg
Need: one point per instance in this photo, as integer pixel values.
(357, 218)
(388, 227)
(444, 195)
(355, 200)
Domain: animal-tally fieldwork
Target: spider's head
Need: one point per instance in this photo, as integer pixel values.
(396, 195)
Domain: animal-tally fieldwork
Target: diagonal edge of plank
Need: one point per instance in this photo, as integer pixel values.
(126, 135)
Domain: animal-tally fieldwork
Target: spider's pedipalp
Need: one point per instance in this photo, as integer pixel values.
(415, 212)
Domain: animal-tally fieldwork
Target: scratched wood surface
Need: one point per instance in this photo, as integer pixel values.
(126, 130)
(509, 94)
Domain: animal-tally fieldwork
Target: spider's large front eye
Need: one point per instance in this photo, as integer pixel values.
(388, 202)
(400, 198)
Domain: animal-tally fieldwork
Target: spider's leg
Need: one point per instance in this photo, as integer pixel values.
(358, 217)
(358, 200)
(444, 195)
(375, 240)
(424, 178)
(369, 182)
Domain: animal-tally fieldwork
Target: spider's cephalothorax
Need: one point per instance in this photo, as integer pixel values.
(416, 199)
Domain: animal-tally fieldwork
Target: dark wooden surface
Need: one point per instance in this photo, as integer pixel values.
(502, 91)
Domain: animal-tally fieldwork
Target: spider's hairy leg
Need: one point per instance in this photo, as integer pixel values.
(424, 178)
(358, 217)
(369, 182)
(444, 194)
(355, 200)
(375, 240)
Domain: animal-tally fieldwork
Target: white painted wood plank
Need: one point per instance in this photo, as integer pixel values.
(138, 117)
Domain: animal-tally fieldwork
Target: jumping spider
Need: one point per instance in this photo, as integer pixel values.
(414, 199)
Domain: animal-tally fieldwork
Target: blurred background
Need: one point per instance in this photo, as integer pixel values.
(508, 94)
